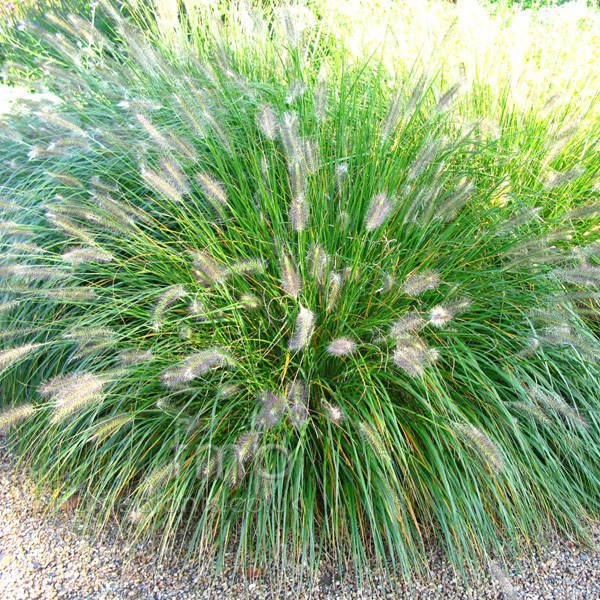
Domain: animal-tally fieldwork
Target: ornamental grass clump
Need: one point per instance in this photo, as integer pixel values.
(278, 313)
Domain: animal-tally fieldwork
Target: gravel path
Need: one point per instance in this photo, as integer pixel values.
(46, 557)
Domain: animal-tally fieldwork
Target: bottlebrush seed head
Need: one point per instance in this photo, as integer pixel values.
(411, 363)
(250, 301)
(82, 391)
(299, 415)
(246, 446)
(292, 144)
(176, 176)
(201, 362)
(229, 390)
(389, 283)
(12, 355)
(167, 298)
(374, 441)
(296, 89)
(554, 402)
(267, 122)
(342, 346)
(209, 268)
(585, 275)
(82, 255)
(421, 282)
(71, 294)
(290, 280)
(318, 262)
(299, 214)
(214, 190)
(482, 443)
(197, 309)
(379, 210)
(334, 413)
(249, 266)
(134, 357)
(297, 397)
(110, 426)
(296, 393)
(413, 356)
(440, 315)
(334, 290)
(273, 408)
(12, 416)
(161, 185)
(304, 329)
(160, 476)
(341, 172)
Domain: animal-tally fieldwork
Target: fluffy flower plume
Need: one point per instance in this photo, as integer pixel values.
(196, 365)
(40, 273)
(532, 410)
(11, 416)
(167, 298)
(161, 185)
(273, 409)
(202, 362)
(334, 413)
(108, 427)
(303, 331)
(290, 279)
(229, 390)
(214, 190)
(246, 446)
(160, 476)
(378, 212)
(318, 262)
(91, 340)
(197, 309)
(441, 314)
(267, 122)
(482, 443)
(69, 227)
(249, 266)
(421, 282)
(209, 268)
(585, 275)
(333, 290)
(413, 356)
(389, 283)
(13, 355)
(320, 100)
(342, 346)
(554, 402)
(374, 441)
(134, 357)
(407, 325)
(299, 214)
(81, 255)
(296, 89)
(250, 301)
(71, 294)
(297, 398)
(75, 393)
(341, 172)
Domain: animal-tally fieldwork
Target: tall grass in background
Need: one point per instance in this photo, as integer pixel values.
(301, 305)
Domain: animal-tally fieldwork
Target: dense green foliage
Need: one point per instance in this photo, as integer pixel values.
(296, 306)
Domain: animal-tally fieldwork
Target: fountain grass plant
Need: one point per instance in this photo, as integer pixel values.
(293, 309)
